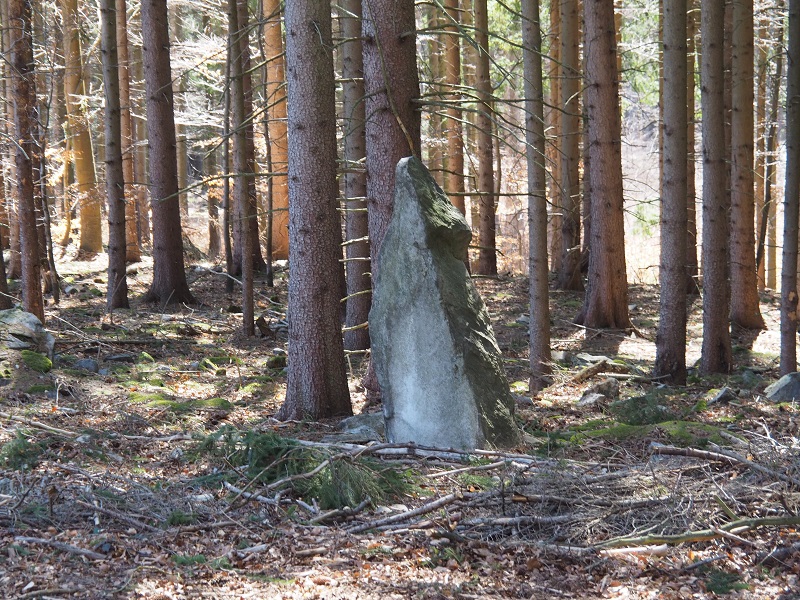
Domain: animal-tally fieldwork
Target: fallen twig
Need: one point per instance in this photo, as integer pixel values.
(723, 456)
(136, 523)
(421, 510)
(248, 495)
(46, 592)
(702, 535)
(39, 425)
(341, 512)
(61, 546)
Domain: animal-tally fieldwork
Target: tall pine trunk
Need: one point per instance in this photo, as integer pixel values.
(671, 336)
(537, 196)
(169, 277)
(317, 383)
(716, 351)
(606, 303)
(117, 296)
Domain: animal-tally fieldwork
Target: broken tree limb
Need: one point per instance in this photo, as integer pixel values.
(409, 514)
(136, 523)
(61, 546)
(723, 456)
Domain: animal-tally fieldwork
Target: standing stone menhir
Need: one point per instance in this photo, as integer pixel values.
(435, 355)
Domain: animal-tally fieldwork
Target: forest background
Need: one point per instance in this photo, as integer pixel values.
(577, 149)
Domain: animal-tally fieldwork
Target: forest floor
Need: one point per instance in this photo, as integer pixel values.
(164, 475)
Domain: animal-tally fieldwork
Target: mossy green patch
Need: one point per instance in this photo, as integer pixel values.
(147, 397)
(35, 361)
(40, 388)
(187, 406)
(641, 410)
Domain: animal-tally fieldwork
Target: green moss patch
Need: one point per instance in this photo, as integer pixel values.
(36, 362)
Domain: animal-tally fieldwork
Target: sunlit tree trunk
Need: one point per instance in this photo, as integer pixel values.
(606, 303)
(178, 91)
(357, 267)
(81, 142)
(317, 383)
(692, 268)
(11, 241)
(569, 277)
(761, 78)
(791, 197)
(716, 350)
(745, 310)
(211, 169)
(276, 113)
(552, 117)
(133, 252)
(455, 145)
(169, 277)
(671, 337)
(23, 94)
(140, 162)
(537, 196)
(117, 296)
(487, 251)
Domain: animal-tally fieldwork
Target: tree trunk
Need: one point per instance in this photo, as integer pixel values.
(745, 310)
(671, 337)
(133, 253)
(791, 197)
(140, 163)
(487, 251)
(357, 267)
(169, 277)
(392, 89)
(240, 169)
(692, 268)
(178, 91)
(276, 114)
(82, 152)
(117, 296)
(23, 94)
(317, 383)
(606, 303)
(213, 197)
(553, 125)
(716, 350)
(454, 130)
(537, 196)
(569, 277)
(239, 239)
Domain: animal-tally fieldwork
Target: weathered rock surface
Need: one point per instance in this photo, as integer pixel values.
(786, 389)
(435, 355)
(20, 330)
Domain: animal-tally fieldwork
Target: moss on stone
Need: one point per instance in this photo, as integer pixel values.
(36, 362)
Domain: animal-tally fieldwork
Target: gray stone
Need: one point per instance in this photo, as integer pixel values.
(373, 421)
(87, 364)
(435, 355)
(20, 330)
(590, 399)
(724, 395)
(609, 388)
(786, 389)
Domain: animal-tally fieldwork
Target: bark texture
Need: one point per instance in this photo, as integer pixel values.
(671, 335)
(117, 296)
(716, 351)
(791, 201)
(169, 277)
(317, 383)
(487, 252)
(276, 112)
(569, 275)
(606, 303)
(23, 94)
(745, 310)
(357, 265)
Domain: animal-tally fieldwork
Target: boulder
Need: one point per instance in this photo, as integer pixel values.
(436, 358)
(786, 389)
(20, 330)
